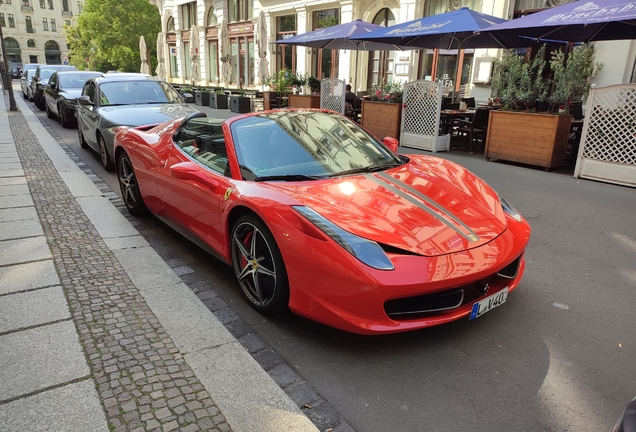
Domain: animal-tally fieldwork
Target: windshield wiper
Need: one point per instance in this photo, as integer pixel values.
(368, 169)
(289, 177)
(152, 102)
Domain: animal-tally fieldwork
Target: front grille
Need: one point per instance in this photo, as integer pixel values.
(436, 304)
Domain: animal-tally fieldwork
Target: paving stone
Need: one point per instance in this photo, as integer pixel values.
(128, 350)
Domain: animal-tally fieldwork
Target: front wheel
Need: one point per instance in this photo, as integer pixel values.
(103, 153)
(49, 114)
(80, 137)
(129, 186)
(66, 123)
(259, 266)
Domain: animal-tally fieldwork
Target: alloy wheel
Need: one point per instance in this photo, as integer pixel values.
(103, 153)
(128, 182)
(254, 264)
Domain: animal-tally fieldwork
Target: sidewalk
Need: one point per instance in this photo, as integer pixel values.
(97, 332)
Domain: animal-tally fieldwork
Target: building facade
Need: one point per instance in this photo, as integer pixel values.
(33, 30)
(286, 18)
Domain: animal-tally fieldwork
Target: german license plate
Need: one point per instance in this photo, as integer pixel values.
(489, 303)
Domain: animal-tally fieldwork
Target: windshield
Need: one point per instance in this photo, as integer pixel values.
(45, 74)
(305, 143)
(137, 92)
(75, 81)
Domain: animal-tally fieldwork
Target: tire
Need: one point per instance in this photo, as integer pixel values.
(259, 266)
(103, 154)
(24, 96)
(49, 114)
(80, 137)
(129, 186)
(63, 120)
(39, 101)
(30, 97)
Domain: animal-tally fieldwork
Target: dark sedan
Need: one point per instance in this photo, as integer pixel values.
(60, 95)
(41, 80)
(123, 99)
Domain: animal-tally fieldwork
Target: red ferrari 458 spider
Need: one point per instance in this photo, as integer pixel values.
(316, 215)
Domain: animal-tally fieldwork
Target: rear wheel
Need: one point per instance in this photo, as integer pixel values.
(103, 153)
(49, 114)
(129, 186)
(80, 137)
(38, 99)
(259, 266)
(63, 120)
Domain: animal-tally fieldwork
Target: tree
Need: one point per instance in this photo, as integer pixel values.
(108, 31)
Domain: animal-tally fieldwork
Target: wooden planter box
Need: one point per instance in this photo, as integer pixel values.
(304, 101)
(202, 98)
(533, 139)
(219, 101)
(382, 119)
(240, 104)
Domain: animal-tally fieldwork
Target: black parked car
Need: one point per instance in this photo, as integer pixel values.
(60, 95)
(15, 73)
(41, 79)
(123, 99)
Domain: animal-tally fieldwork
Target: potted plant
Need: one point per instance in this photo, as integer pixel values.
(383, 113)
(519, 131)
(202, 97)
(186, 94)
(280, 85)
(299, 81)
(219, 100)
(314, 85)
(240, 103)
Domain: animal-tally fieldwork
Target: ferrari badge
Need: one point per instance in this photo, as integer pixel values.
(228, 192)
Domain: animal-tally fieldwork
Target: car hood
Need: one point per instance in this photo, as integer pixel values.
(428, 206)
(138, 115)
(72, 93)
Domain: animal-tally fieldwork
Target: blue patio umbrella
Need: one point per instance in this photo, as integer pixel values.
(451, 30)
(580, 21)
(340, 37)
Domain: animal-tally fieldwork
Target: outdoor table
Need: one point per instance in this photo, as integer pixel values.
(448, 117)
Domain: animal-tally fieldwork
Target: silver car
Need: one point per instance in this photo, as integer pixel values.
(25, 83)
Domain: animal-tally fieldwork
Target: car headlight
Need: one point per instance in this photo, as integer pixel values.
(509, 209)
(367, 251)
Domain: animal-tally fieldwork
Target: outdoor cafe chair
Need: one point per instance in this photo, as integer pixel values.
(474, 128)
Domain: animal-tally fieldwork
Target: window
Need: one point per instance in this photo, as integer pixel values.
(25, 3)
(7, 1)
(188, 15)
(325, 61)
(211, 17)
(2, 23)
(53, 25)
(67, 22)
(42, 4)
(33, 59)
(285, 54)
(80, 6)
(45, 24)
(29, 24)
(11, 20)
(174, 65)
(170, 24)
(203, 140)
(89, 90)
(65, 6)
(436, 7)
(241, 10)
(31, 43)
(51, 4)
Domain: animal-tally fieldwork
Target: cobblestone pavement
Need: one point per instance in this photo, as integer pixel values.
(324, 415)
(142, 379)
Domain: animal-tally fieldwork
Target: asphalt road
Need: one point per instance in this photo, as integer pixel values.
(558, 356)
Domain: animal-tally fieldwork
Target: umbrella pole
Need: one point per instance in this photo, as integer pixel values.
(455, 91)
(355, 76)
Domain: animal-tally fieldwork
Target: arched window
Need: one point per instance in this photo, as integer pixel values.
(31, 43)
(51, 45)
(211, 17)
(11, 43)
(170, 25)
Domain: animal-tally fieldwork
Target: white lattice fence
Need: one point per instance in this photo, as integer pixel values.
(332, 95)
(421, 107)
(608, 143)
